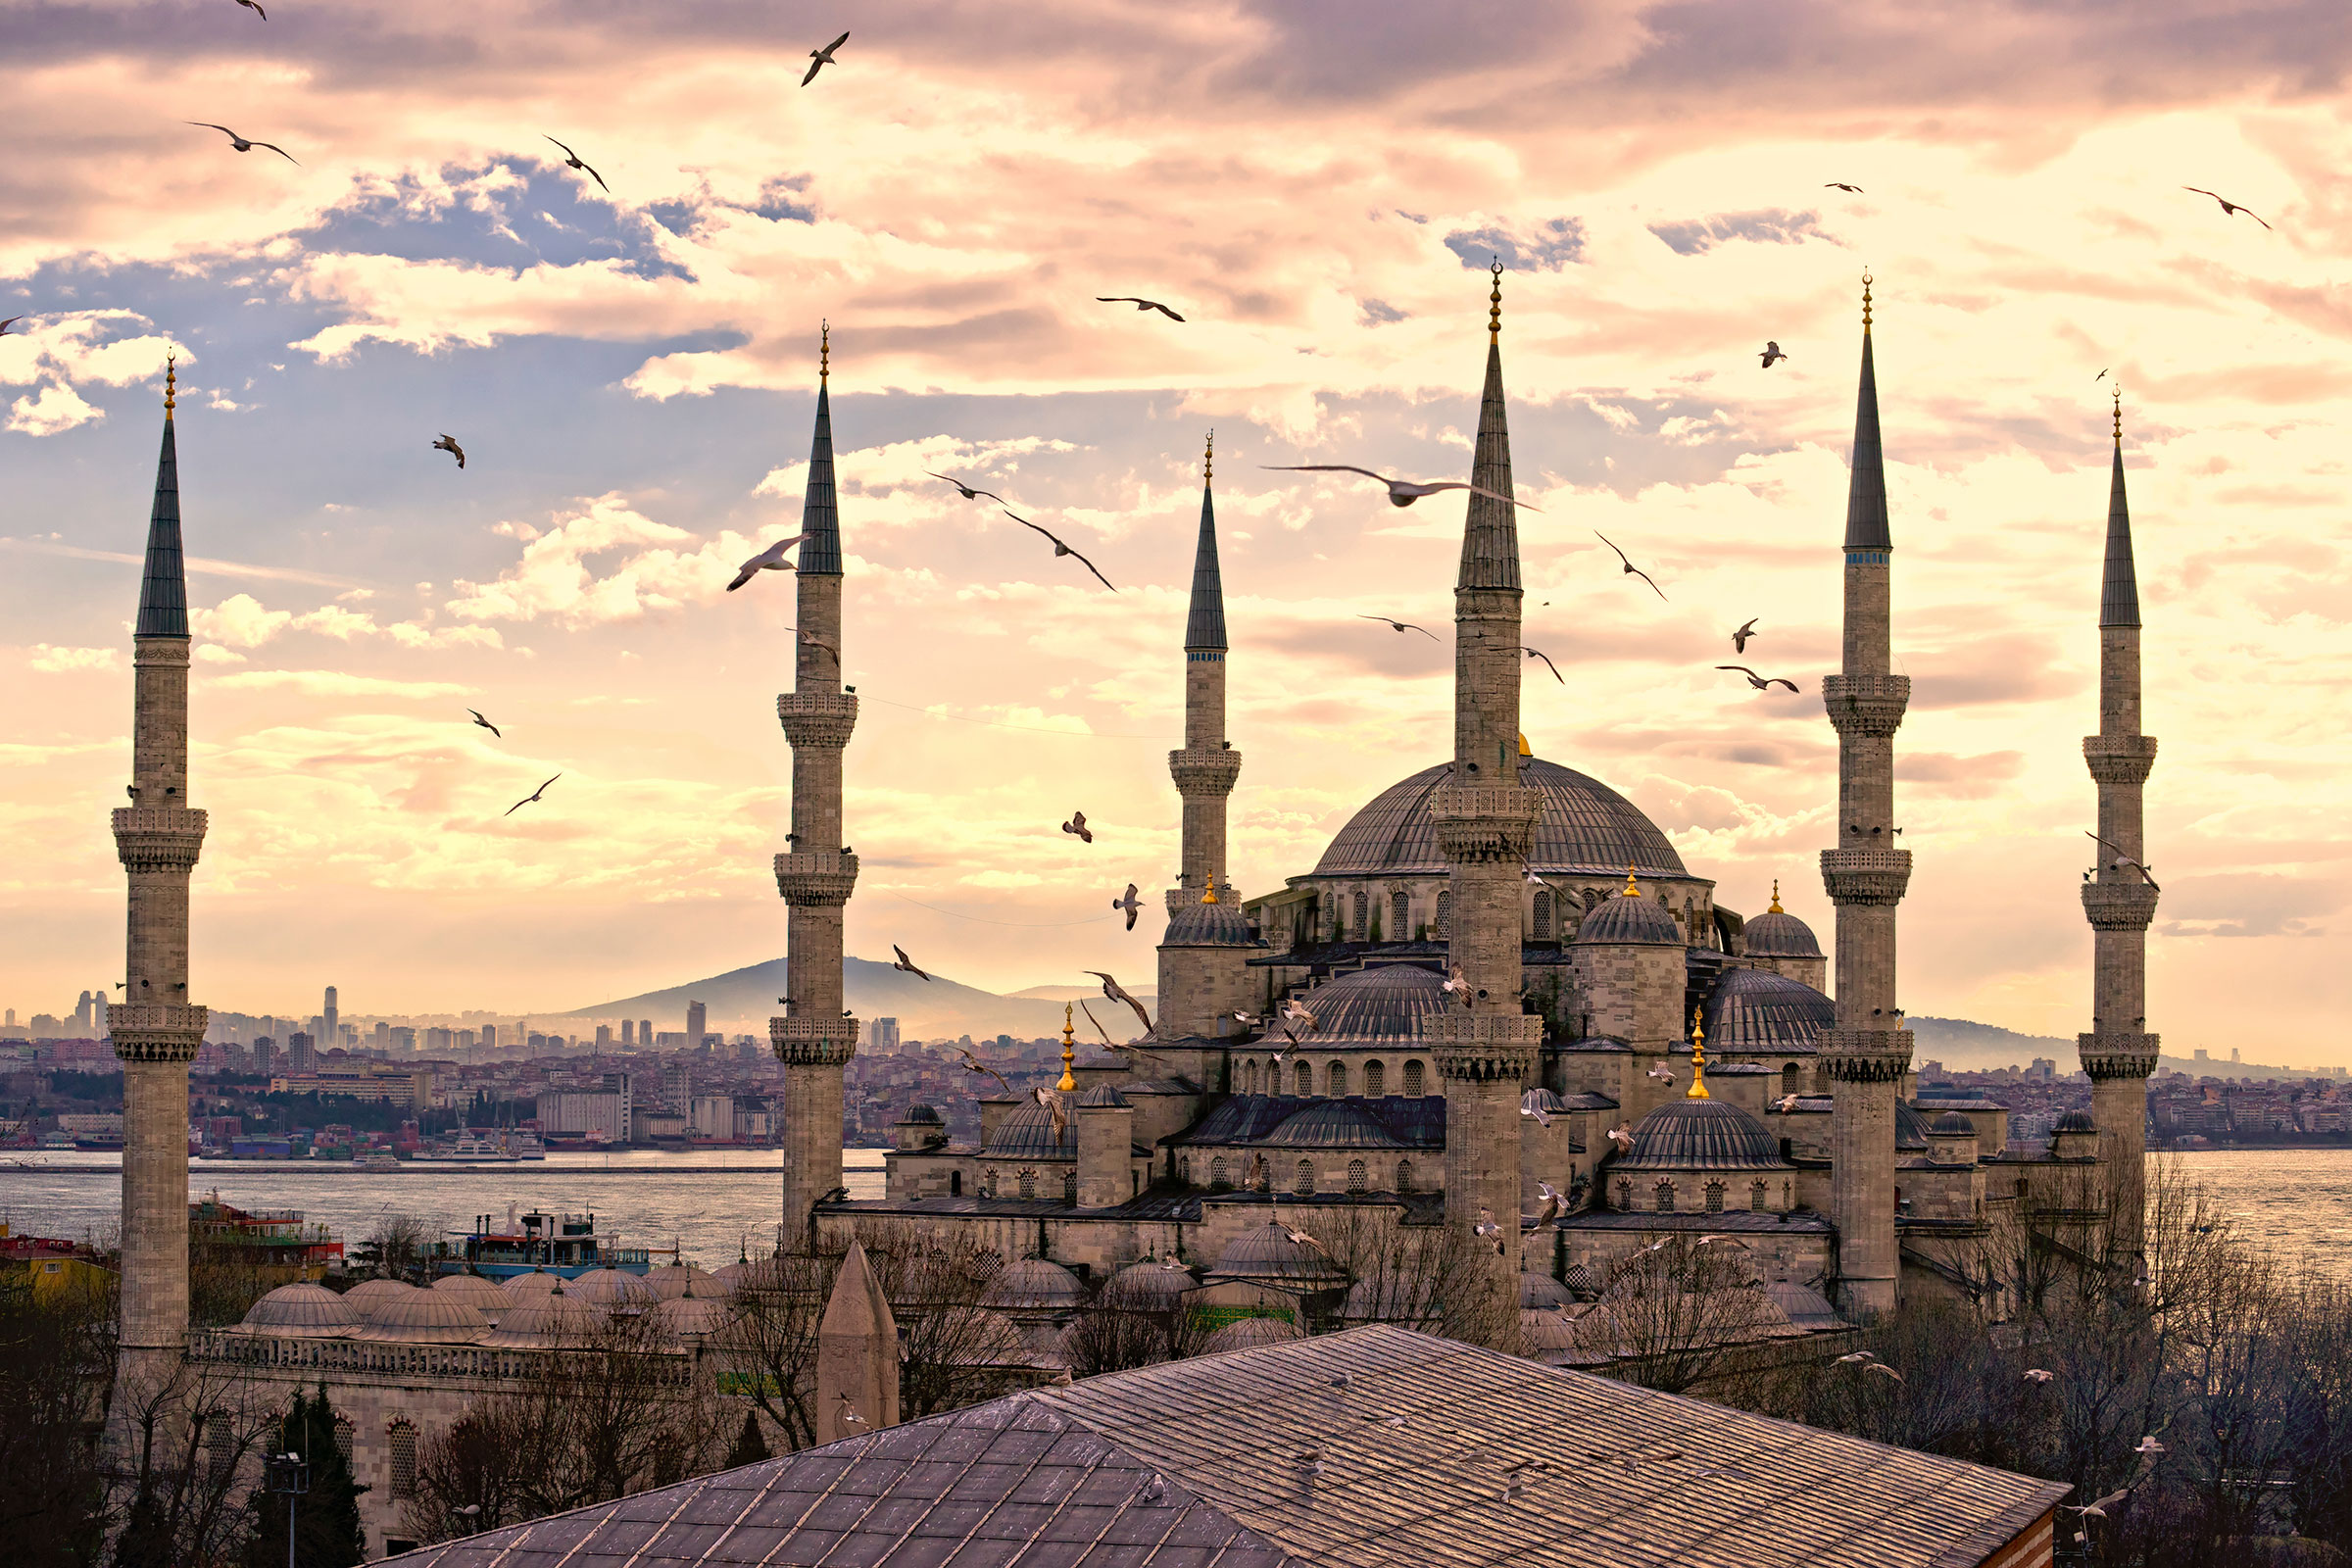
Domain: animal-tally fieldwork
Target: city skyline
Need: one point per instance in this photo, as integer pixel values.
(635, 402)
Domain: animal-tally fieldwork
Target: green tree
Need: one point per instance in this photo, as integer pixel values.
(326, 1518)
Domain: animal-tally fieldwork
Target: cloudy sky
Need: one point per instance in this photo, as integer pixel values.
(1317, 186)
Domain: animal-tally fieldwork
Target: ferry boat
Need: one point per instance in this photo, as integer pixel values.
(375, 1162)
(487, 1146)
(565, 1244)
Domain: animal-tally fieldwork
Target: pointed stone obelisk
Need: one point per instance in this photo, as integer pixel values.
(856, 1355)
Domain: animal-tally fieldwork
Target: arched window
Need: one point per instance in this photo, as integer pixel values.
(1360, 1178)
(1306, 1178)
(1405, 1175)
(1028, 1184)
(1400, 913)
(1625, 1197)
(1756, 1198)
(1184, 1170)
(401, 1440)
(1335, 1079)
(1372, 1079)
(1069, 1186)
(1302, 1079)
(1363, 915)
(955, 1184)
(1249, 1076)
(343, 1437)
(1690, 921)
(1792, 1081)
(1714, 1197)
(1216, 1172)
(1413, 1087)
(221, 1438)
(1444, 929)
(1665, 1198)
(988, 1183)
(1788, 1197)
(1543, 916)
(1591, 899)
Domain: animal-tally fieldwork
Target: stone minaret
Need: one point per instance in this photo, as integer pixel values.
(1865, 1055)
(1486, 820)
(1206, 768)
(815, 1037)
(2119, 1054)
(156, 1027)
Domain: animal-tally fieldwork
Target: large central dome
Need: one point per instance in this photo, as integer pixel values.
(1585, 826)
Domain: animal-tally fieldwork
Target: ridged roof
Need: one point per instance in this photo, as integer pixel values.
(1631, 918)
(2075, 1121)
(612, 1287)
(369, 1298)
(1951, 1124)
(1538, 1291)
(538, 1282)
(693, 1315)
(2118, 586)
(928, 1115)
(1151, 1286)
(1209, 925)
(1333, 1124)
(164, 582)
(1865, 492)
(1418, 1122)
(1583, 826)
(302, 1312)
(1204, 626)
(485, 1296)
(1249, 1333)
(1033, 1284)
(553, 1318)
(1491, 529)
(1755, 1009)
(672, 1281)
(1910, 1133)
(1384, 1002)
(1027, 1133)
(1778, 934)
(1266, 1253)
(1103, 1096)
(1701, 1135)
(426, 1317)
(820, 517)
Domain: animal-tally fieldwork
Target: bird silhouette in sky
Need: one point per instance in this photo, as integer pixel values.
(449, 444)
(973, 1063)
(1139, 303)
(1739, 638)
(1401, 492)
(1760, 682)
(485, 723)
(9, 322)
(769, 560)
(1118, 992)
(246, 144)
(823, 58)
(1129, 903)
(2123, 862)
(2230, 209)
(1630, 566)
(572, 159)
(528, 799)
(1060, 548)
(1538, 653)
(255, 7)
(969, 493)
(1840, 184)
(905, 964)
(1771, 353)
(1076, 826)
(1402, 627)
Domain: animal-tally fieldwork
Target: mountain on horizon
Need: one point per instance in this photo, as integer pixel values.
(743, 999)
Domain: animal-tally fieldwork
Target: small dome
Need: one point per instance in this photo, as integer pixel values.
(671, 1282)
(1633, 919)
(729, 1277)
(1388, 1299)
(1539, 1290)
(927, 1115)
(426, 1317)
(1701, 1135)
(302, 1312)
(1333, 1124)
(2075, 1121)
(369, 1298)
(1582, 826)
(692, 1314)
(1757, 1010)
(1951, 1124)
(1545, 1331)
(1034, 1284)
(1151, 1286)
(1910, 1133)
(1102, 1095)
(484, 1295)
(524, 1287)
(611, 1287)
(1208, 925)
(1250, 1332)
(1385, 1002)
(1027, 1133)
(1266, 1253)
(553, 1318)
(1775, 934)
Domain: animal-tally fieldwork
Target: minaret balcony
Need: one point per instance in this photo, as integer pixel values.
(1863, 1055)
(1868, 707)
(1484, 825)
(1202, 770)
(2118, 905)
(803, 1042)
(816, 879)
(157, 1030)
(159, 838)
(2117, 1056)
(818, 718)
(2120, 758)
(1866, 876)
(1484, 1047)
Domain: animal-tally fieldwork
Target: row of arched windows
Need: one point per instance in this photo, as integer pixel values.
(1712, 1199)
(1304, 1178)
(1301, 1078)
(1026, 1184)
(1551, 916)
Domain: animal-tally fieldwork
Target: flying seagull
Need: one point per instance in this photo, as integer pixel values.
(973, 1063)
(1052, 1103)
(1739, 638)
(254, 6)
(2149, 1446)
(1623, 1136)
(1401, 492)
(905, 964)
(572, 159)
(1098, 1023)
(1456, 984)
(1630, 566)
(1118, 992)
(1840, 184)
(2230, 209)
(1538, 653)
(966, 491)
(449, 444)
(2101, 376)
(1139, 303)
(769, 560)
(1884, 1370)
(1296, 1012)
(1761, 683)
(1771, 353)
(849, 1415)
(1541, 1116)
(822, 58)
(1787, 1103)
(528, 799)
(1077, 824)
(1663, 1074)
(815, 640)
(244, 145)
(2034, 1374)
(485, 723)
(1554, 1203)
(1130, 903)
(1402, 627)
(2122, 861)
(11, 321)
(1060, 548)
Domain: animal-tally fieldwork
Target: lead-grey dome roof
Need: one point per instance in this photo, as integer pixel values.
(1209, 925)
(301, 1311)
(1633, 918)
(1584, 826)
(1027, 1133)
(1778, 934)
(1036, 1283)
(1384, 1002)
(1333, 1124)
(1701, 1135)
(1951, 1124)
(1755, 1009)
(1267, 1252)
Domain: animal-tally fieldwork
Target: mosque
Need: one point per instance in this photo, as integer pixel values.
(1500, 1013)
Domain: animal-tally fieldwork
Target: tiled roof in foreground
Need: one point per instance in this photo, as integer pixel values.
(1198, 1463)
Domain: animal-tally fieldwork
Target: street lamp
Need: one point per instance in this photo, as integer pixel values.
(289, 1476)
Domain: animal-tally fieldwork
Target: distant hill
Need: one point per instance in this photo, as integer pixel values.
(1966, 1046)
(742, 1001)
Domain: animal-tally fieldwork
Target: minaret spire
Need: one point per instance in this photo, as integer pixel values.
(1867, 1051)
(816, 1037)
(1485, 817)
(2119, 1054)
(156, 1029)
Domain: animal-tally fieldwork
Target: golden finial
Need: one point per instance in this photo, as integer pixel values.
(1524, 750)
(824, 350)
(1775, 899)
(1069, 1047)
(1494, 306)
(1698, 1061)
(1208, 458)
(2119, 413)
(1867, 281)
(1633, 889)
(1211, 897)
(171, 384)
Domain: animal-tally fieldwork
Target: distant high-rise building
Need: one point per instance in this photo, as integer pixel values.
(604, 1034)
(383, 1035)
(886, 1037)
(330, 1018)
(645, 1033)
(677, 1087)
(697, 1016)
(12, 1018)
(628, 1031)
(404, 1039)
(265, 1055)
(301, 1052)
(489, 1037)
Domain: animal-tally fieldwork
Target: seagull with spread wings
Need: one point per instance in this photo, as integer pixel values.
(1538, 653)
(246, 144)
(1770, 354)
(1760, 682)
(966, 491)
(9, 322)
(823, 58)
(1739, 638)
(1060, 1113)
(905, 964)
(255, 7)
(1118, 992)
(528, 799)
(1630, 566)
(485, 723)
(1076, 826)
(769, 560)
(2123, 862)
(2230, 209)
(1457, 984)
(973, 1063)
(572, 159)
(1401, 492)
(1130, 903)
(1402, 627)
(449, 444)
(1060, 548)
(1139, 303)
(1840, 184)
(1296, 1012)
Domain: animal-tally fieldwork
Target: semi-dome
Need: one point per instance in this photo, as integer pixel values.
(1154, 1285)
(1755, 1009)
(1027, 1133)
(1778, 934)
(1333, 1124)
(1630, 918)
(1542, 1102)
(368, 1298)
(1036, 1285)
(1384, 1002)
(674, 1280)
(1584, 827)
(1266, 1253)
(613, 1287)
(485, 1296)
(1250, 1332)
(1910, 1133)
(302, 1312)
(1951, 1124)
(2075, 1121)
(1102, 1097)
(927, 1115)
(1538, 1291)
(1701, 1135)
(426, 1317)
(1209, 925)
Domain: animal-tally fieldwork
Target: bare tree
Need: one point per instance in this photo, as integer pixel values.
(57, 1361)
(1679, 1312)
(180, 1431)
